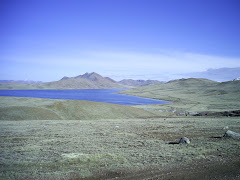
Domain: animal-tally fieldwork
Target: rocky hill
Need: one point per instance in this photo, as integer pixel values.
(85, 81)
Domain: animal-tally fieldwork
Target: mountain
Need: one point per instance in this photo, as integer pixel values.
(85, 81)
(139, 83)
(95, 77)
(222, 74)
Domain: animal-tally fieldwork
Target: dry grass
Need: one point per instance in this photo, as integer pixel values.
(191, 95)
(20, 108)
(80, 148)
(113, 139)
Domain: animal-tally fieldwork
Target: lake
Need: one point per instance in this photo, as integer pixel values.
(97, 95)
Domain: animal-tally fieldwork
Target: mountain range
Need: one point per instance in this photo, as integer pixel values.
(20, 81)
(221, 74)
(96, 81)
(139, 83)
(85, 81)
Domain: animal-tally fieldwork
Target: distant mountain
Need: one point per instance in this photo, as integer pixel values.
(221, 75)
(95, 77)
(20, 81)
(139, 83)
(237, 79)
(85, 81)
(192, 82)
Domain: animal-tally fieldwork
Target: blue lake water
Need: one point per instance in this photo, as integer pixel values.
(97, 95)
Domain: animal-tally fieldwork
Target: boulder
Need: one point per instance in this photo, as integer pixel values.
(232, 134)
(184, 140)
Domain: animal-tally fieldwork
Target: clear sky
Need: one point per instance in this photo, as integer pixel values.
(140, 39)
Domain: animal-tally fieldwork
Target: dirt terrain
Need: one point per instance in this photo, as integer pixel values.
(124, 148)
(225, 170)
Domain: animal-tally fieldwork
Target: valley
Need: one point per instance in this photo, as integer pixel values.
(72, 139)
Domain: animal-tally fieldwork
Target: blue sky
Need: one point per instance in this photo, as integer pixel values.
(140, 39)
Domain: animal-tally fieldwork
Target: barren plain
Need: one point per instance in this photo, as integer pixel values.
(88, 140)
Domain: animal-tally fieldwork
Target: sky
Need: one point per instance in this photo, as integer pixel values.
(44, 40)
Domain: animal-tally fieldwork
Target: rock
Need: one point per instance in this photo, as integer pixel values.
(232, 134)
(226, 127)
(184, 140)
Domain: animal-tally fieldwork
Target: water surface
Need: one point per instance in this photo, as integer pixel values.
(97, 95)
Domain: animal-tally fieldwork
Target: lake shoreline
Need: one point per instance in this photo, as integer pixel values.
(97, 95)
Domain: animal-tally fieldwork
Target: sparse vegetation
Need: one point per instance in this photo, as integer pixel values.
(21, 108)
(49, 148)
(109, 141)
(191, 95)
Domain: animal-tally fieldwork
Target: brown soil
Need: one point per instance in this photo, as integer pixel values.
(220, 170)
(219, 114)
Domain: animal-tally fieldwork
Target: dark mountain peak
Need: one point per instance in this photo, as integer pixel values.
(65, 77)
(94, 77)
(91, 76)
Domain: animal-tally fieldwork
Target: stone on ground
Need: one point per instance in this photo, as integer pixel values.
(184, 140)
(232, 134)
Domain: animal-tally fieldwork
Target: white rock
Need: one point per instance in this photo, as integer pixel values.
(232, 134)
(184, 140)
(226, 127)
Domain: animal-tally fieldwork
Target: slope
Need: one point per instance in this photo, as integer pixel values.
(20, 108)
(193, 95)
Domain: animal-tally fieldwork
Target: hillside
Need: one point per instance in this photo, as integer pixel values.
(195, 95)
(21, 108)
(139, 83)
